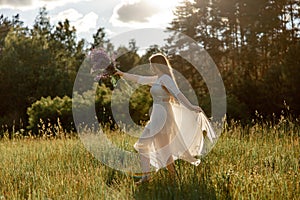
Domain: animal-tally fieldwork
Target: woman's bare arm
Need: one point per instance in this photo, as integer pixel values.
(144, 80)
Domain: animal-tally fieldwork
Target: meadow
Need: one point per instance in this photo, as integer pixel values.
(258, 161)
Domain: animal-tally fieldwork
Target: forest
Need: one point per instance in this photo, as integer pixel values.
(254, 43)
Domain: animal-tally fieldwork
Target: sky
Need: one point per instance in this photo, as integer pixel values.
(116, 16)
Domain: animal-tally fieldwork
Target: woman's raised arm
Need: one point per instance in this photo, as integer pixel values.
(144, 80)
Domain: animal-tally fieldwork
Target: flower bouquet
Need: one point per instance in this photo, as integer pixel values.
(103, 65)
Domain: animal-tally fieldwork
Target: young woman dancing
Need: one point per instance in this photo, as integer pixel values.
(176, 126)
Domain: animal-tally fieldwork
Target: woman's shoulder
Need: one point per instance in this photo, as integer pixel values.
(166, 78)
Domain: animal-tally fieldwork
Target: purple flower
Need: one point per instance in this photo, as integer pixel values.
(102, 64)
(102, 76)
(99, 60)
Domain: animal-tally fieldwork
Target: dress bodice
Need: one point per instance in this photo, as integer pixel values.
(158, 93)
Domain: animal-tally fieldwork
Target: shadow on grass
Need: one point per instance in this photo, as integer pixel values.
(191, 183)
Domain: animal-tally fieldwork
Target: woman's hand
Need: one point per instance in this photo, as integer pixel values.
(198, 109)
(118, 72)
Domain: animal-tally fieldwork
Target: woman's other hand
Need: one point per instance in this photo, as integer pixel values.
(198, 109)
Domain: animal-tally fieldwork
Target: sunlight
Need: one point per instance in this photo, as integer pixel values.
(148, 13)
(167, 4)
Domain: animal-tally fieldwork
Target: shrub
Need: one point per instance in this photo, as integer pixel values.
(138, 102)
(48, 113)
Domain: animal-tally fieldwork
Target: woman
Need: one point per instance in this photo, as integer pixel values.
(165, 137)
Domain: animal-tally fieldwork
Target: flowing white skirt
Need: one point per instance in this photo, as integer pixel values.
(174, 132)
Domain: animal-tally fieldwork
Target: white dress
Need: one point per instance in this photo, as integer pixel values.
(174, 130)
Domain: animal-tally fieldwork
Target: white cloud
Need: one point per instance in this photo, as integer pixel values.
(143, 13)
(15, 3)
(51, 4)
(109, 33)
(82, 23)
(33, 4)
(86, 23)
(70, 14)
(134, 11)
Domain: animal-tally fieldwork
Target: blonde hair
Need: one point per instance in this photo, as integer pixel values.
(162, 64)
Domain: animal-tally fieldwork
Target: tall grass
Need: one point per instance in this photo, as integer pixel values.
(260, 161)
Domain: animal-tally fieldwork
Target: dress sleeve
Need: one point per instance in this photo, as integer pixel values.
(169, 83)
(144, 80)
(147, 80)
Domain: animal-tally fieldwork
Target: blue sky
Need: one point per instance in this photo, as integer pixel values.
(116, 16)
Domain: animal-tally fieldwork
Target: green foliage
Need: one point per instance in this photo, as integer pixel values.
(150, 51)
(58, 111)
(282, 84)
(45, 113)
(138, 101)
(103, 102)
(100, 40)
(35, 63)
(253, 44)
(140, 104)
(128, 57)
(236, 109)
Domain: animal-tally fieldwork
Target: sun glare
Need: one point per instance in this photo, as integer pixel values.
(166, 4)
(158, 13)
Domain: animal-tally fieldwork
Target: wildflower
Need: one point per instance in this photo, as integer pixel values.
(103, 65)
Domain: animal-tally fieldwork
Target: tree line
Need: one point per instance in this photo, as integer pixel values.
(254, 43)
(38, 67)
(35, 62)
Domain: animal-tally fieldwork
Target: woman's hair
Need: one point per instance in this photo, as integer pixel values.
(162, 64)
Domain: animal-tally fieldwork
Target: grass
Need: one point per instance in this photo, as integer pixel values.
(253, 162)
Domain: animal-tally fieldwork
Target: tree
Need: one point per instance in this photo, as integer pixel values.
(150, 51)
(100, 40)
(245, 38)
(282, 85)
(36, 63)
(127, 57)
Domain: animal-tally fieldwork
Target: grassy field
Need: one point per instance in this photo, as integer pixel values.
(254, 162)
